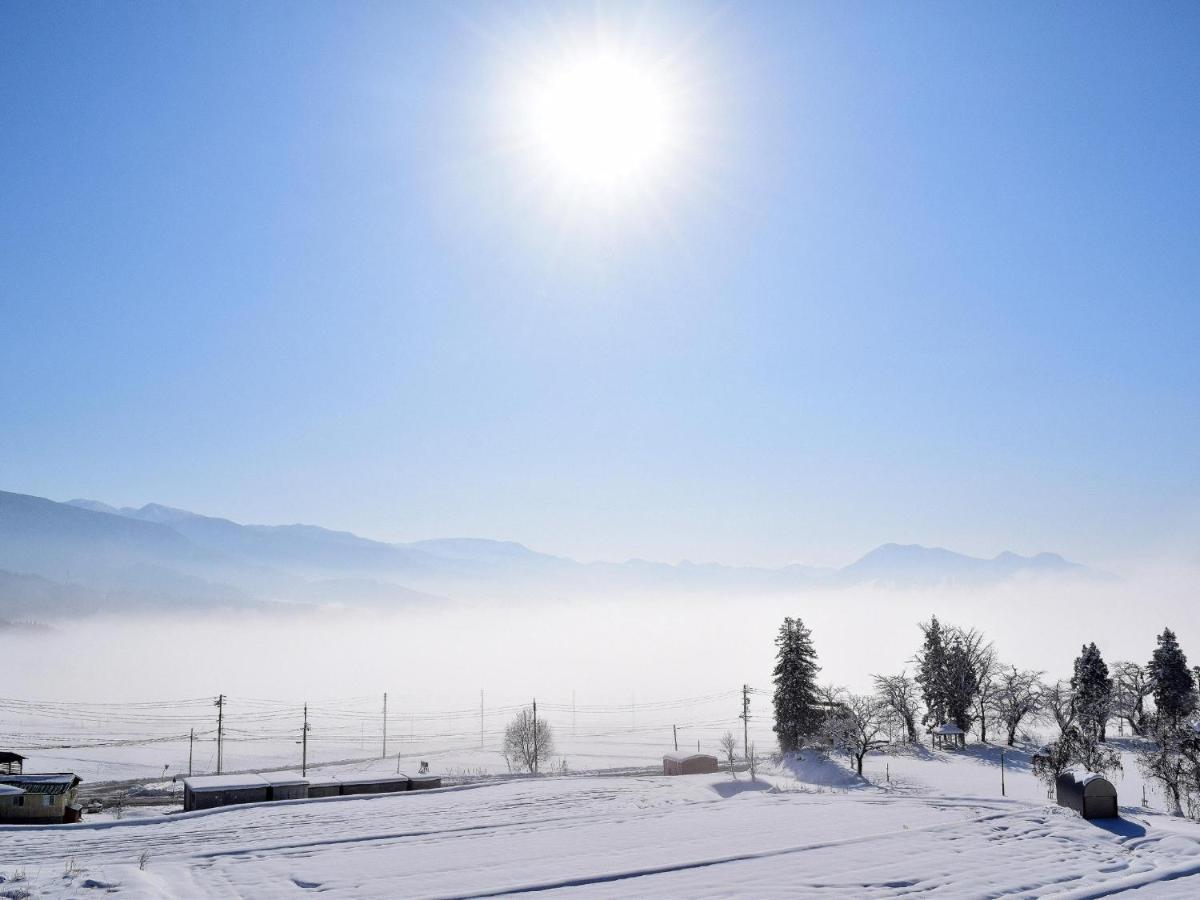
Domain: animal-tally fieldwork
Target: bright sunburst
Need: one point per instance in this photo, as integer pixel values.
(602, 124)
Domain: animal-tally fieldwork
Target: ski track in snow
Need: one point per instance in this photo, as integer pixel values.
(628, 836)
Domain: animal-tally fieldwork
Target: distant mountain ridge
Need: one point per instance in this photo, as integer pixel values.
(70, 558)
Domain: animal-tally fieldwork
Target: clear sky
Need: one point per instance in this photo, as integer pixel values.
(912, 272)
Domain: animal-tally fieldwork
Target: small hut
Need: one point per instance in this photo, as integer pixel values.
(689, 764)
(948, 737)
(39, 799)
(11, 763)
(381, 784)
(208, 791)
(324, 786)
(1092, 796)
(424, 782)
(285, 786)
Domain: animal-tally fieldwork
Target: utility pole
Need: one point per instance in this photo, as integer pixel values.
(191, 743)
(220, 705)
(304, 744)
(745, 717)
(481, 717)
(574, 731)
(675, 732)
(384, 754)
(535, 737)
(1002, 788)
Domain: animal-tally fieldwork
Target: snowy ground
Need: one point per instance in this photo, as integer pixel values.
(938, 828)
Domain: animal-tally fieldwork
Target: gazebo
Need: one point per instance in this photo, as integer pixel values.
(11, 763)
(948, 737)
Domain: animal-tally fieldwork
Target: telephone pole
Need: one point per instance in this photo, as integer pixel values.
(675, 732)
(535, 737)
(304, 744)
(745, 717)
(220, 705)
(191, 743)
(481, 717)
(384, 755)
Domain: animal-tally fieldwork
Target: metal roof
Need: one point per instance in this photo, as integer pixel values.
(50, 783)
(225, 782)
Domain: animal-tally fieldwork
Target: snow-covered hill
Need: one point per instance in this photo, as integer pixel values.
(619, 836)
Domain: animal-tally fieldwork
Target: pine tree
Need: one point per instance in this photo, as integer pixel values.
(1173, 685)
(1092, 689)
(797, 716)
(961, 685)
(931, 673)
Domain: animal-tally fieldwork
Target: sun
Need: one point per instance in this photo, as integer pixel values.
(602, 124)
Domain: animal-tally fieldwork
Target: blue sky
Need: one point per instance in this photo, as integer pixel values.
(922, 272)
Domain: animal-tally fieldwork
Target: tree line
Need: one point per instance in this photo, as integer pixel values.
(958, 678)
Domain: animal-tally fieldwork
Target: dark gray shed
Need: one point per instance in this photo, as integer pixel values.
(383, 784)
(1092, 796)
(208, 791)
(424, 782)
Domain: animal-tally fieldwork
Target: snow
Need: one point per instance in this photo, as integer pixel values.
(948, 728)
(684, 757)
(9, 790)
(284, 779)
(939, 827)
(198, 783)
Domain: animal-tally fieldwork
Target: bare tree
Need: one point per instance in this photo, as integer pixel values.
(1017, 696)
(1059, 701)
(984, 663)
(862, 725)
(1132, 684)
(528, 742)
(729, 748)
(752, 760)
(902, 695)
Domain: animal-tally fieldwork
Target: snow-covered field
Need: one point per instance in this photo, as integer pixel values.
(939, 828)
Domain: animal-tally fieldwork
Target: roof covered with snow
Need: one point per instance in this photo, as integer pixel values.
(48, 783)
(10, 790)
(684, 757)
(372, 779)
(283, 779)
(225, 782)
(948, 728)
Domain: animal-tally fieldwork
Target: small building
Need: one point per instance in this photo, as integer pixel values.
(948, 737)
(39, 799)
(208, 791)
(11, 763)
(424, 782)
(1092, 796)
(285, 786)
(689, 764)
(381, 784)
(324, 786)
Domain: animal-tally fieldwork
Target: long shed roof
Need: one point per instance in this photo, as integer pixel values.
(225, 782)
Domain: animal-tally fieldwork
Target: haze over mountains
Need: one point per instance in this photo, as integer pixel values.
(60, 560)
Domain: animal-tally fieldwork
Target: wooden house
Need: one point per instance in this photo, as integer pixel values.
(44, 799)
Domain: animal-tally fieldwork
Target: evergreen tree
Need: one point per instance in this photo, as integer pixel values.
(797, 716)
(1092, 690)
(931, 673)
(961, 684)
(1173, 685)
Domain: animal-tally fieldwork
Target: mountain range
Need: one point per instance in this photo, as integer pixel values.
(59, 560)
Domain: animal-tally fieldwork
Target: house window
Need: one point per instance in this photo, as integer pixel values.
(19, 801)
(47, 800)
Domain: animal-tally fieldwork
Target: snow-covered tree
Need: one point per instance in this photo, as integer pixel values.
(903, 697)
(728, 745)
(798, 718)
(528, 742)
(1059, 702)
(860, 726)
(1092, 689)
(1075, 747)
(1016, 696)
(931, 672)
(1174, 688)
(1132, 684)
(962, 687)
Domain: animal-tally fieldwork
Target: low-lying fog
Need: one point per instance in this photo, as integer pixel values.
(642, 648)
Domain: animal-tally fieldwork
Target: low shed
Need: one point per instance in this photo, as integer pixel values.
(285, 786)
(208, 791)
(45, 798)
(689, 764)
(324, 786)
(424, 782)
(1092, 796)
(381, 784)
